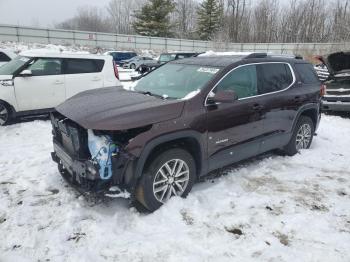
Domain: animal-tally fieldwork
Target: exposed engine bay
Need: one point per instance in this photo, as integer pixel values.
(92, 160)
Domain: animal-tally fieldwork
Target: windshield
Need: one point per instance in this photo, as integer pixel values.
(166, 58)
(11, 67)
(176, 80)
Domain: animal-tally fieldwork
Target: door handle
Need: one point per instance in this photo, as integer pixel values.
(96, 78)
(58, 82)
(257, 107)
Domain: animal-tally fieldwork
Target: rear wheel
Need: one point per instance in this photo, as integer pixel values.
(170, 173)
(5, 114)
(302, 136)
(133, 66)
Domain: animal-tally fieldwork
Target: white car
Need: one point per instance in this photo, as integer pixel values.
(6, 56)
(35, 83)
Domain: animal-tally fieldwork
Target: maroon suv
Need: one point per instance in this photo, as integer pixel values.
(183, 120)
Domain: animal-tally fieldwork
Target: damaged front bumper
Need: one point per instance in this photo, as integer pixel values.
(86, 162)
(85, 177)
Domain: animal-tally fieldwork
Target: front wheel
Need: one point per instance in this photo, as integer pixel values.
(5, 114)
(170, 173)
(302, 136)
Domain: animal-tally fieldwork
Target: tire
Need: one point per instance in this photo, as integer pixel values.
(160, 181)
(5, 114)
(133, 66)
(302, 136)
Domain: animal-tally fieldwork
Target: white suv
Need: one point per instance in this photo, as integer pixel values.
(35, 83)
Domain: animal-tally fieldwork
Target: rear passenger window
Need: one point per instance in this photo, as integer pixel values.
(307, 73)
(241, 80)
(4, 58)
(273, 77)
(83, 66)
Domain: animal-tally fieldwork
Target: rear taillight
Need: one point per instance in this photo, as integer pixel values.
(116, 72)
(323, 89)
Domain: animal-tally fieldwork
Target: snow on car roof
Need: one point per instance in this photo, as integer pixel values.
(220, 61)
(8, 52)
(64, 54)
(212, 53)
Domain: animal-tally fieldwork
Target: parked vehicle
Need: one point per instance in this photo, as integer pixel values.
(137, 61)
(119, 56)
(164, 58)
(183, 120)
(36, 83)
(337, 97)
(6, 56)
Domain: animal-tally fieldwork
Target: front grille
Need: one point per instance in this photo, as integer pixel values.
(72, 137)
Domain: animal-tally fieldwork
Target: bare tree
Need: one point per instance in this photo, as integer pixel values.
(87, 19)
(242, 20)
(341, 21)
(235, 15)
(185, 17)
(265, 21)
(121, 14)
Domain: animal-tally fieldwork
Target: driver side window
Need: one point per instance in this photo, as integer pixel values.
(243, 81)
(46, 66)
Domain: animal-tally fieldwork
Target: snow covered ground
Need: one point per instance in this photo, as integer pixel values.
(272, 208)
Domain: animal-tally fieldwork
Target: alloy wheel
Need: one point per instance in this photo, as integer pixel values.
(4, 114)
(303, 137)
(171, 180)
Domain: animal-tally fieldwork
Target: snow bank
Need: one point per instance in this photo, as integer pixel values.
(272, 208)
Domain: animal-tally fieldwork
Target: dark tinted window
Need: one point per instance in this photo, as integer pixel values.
(242, 81)
(118, 56)
(273, 77)
(307, 73)
(4, 58)
(83, 66)
(45, 67)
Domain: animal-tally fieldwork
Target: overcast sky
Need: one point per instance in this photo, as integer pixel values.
(41, 12)
(44, 13)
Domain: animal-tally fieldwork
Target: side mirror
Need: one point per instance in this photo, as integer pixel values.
(224, 97)
(26, 73)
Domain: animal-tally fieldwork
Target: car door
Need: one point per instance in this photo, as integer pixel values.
(82, 74)
(279, 100)
(234, 128)
(42, 87)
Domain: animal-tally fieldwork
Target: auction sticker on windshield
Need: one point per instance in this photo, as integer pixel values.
(208, 70)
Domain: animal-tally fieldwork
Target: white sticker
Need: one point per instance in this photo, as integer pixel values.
(208, 70)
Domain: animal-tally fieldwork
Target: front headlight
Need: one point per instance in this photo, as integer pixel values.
(6, 82)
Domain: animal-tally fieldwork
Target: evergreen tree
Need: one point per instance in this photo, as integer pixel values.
(210, 13)
(154, 18)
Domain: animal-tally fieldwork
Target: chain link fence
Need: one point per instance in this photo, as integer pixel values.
(133, 42)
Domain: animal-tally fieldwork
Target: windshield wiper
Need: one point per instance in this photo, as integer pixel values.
(151, 94)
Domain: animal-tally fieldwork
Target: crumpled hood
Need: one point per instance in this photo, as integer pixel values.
(118, 109)
(337, 63)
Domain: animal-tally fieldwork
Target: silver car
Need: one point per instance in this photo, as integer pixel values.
(137, 61)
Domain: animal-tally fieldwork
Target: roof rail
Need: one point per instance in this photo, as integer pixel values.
(256, 55)
(264, 55)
